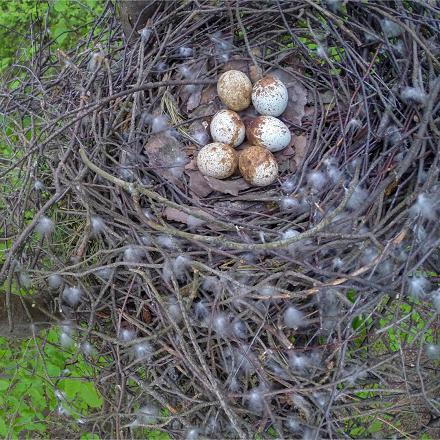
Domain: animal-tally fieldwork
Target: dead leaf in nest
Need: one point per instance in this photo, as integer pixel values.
(206, 110)
(236, 64)
(197, 184)
(255, 73)
(286, 159)
(166, 156)
(191, 165)
(146, 315)
(300, 145)
(176, 215)
(209, 94)
(194, 99)
(227, 186)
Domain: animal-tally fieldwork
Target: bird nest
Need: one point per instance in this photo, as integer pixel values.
(217, 309)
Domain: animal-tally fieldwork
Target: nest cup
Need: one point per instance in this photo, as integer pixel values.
(242, 311)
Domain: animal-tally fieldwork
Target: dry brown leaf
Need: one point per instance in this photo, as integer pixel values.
(255, 73)
(166, 156)
(237, 64)
(174, 214)
(209, 94)
(300, 145)
(197, 184)
(227, 186)
(286, 159)
(194, 99)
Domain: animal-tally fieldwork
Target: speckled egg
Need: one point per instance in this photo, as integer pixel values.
(227, 127)
(258, 166)
(217, 160)
(268, 132)
(234, 89)
(269, 96)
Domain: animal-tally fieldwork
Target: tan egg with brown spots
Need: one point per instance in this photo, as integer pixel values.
(217, 160)
(268, 132)
(227, 128)
(258, 166)
(234, 89)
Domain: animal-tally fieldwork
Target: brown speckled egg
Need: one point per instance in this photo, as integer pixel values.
(268, 132)
(258, 166)
(217, 160)
(227, 127)
(270, 96)
(234, 89)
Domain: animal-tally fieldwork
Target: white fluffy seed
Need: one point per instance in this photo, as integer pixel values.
(418, 286)
(288, 185)
(65, 340)
(193, 434)
(45, 226)
(293, 318)
(166, 241)
(105, 273)
(357, 199)
(255, 400)
(143, 351)
(72, 295)
(298, 361)
(127, 335)
(133, 255)
(239, 329)
(39, 185)
(289, 204)
(316, 180)
(433, 351)
(414, 95)
(159, 123)
(424, 207)
(148, 415)
(97, 225)
(390, 28)
(185, 51)
(267, 290)
(25, 280)
(55, 281)
(221, 324)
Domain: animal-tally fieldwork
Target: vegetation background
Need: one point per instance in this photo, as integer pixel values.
(45, 389)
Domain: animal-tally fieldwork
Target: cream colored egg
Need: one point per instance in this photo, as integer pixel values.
(258, 166)
(227, 127)
(234, 89)
(217, 160)
(269, 96)
(268, 132)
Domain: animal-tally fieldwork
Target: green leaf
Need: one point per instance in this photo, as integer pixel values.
(82, 390)
(375, 426)
(4, 384)
(157, 435)
(3, 428)
(89, 436)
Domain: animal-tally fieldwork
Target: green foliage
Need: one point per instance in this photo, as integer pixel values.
(66, 21)
(32, 381)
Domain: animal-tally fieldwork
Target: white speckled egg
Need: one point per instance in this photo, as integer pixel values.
(268, 132)
(258, 166)
(234, 89)
(227, 127)
(269, 96)
(217, 160)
